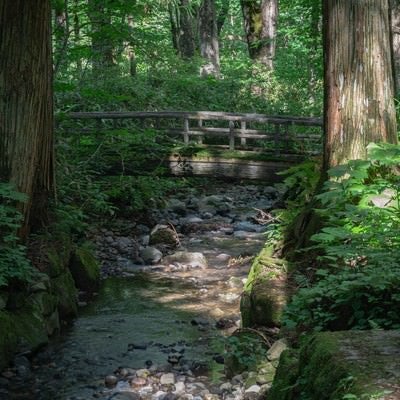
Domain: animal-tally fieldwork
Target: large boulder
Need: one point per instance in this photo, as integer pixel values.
(85, 269)
(339, 365)
(265, 293)
(164, 235)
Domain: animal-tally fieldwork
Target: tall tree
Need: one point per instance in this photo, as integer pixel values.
(359, 87)
(101, 36)
(395, 19)
(182, 28)
(260, 19)
(26, 103)
(209, 45)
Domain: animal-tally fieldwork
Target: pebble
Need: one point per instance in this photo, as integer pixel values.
(110, 380)
(167, 379)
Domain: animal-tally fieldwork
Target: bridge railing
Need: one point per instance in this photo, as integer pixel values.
(238, 130)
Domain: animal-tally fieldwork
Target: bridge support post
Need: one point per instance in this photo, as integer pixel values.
(186, 131)
(201, 137)
(242, 130)
(231, 135)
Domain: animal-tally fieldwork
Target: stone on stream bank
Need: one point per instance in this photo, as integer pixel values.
(266, 292)
(338, 365)
(29, 316)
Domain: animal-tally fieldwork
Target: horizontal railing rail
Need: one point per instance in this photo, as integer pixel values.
(282, 132)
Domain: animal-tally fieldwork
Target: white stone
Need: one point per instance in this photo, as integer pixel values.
(167, 379)
(276, 349)
(179, 387)
(253, 389)
(142, 373)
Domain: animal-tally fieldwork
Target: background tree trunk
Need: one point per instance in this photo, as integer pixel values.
(260, 20)
(102, 43)
(209, 46)
(182, 29)
(395, 22)
(26, 103)
(222, 14)
(359, 87)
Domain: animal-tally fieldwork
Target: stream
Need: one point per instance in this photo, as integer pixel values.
(156, 328)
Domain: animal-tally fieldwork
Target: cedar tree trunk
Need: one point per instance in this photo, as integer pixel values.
(26, 103)
(359, 87)
(260, 18)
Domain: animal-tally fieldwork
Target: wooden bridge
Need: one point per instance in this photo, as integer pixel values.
(283, 140)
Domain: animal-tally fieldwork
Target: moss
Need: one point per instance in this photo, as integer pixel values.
(21, 331)
(64, 287)
(59, 256)
(45, 302)
(265, 292)
(85, 269)
(359, 364)
(285, 382)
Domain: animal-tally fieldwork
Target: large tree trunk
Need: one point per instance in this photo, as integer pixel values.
(102, 42)
(26, 103)
(209, 46)
(395, 22)
(182, 29)
(359, 87)
(260, 20)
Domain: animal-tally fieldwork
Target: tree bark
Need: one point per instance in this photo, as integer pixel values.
(395, 23)
(260, 19)
(359, 87)
(102, 44)
(61, 33)
(222, 14)
(182, 29)
(26, 103)
(209, 45)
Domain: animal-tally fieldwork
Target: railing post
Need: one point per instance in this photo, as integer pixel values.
(243, 141)
(186, 131)
(200, 141)
(277, 138)
(231, 135)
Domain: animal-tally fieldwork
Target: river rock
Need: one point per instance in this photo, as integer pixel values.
(179, 387)
(138, 381)
(110, 380)
(167, 379)
(177, 206)
(151, 255)
(142, 373)
(193, 260)
(125, 396)
(276, 349)
(164, 235)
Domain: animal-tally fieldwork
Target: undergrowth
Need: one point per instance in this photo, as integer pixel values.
(356, 285)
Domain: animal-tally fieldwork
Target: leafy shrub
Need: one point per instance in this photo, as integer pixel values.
(14, 264)
(358, 283)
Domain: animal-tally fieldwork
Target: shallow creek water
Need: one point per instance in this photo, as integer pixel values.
(155, 312)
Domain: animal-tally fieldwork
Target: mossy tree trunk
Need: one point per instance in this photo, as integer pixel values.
(260, 19)
(182, 28)
(26, 103)
(209, 45)
(359, 86)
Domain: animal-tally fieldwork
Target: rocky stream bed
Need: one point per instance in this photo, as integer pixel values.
(170, 294)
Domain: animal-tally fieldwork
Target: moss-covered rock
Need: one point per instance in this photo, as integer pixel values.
(64, 287)
(337, 365)
(85, 269)
(285, 382)
(265, 293)
(59, 256)
(21, 330)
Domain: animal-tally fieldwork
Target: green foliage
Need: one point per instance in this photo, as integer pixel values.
(245, 351)
(298, 188)
(358, 282)
(14, 264)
